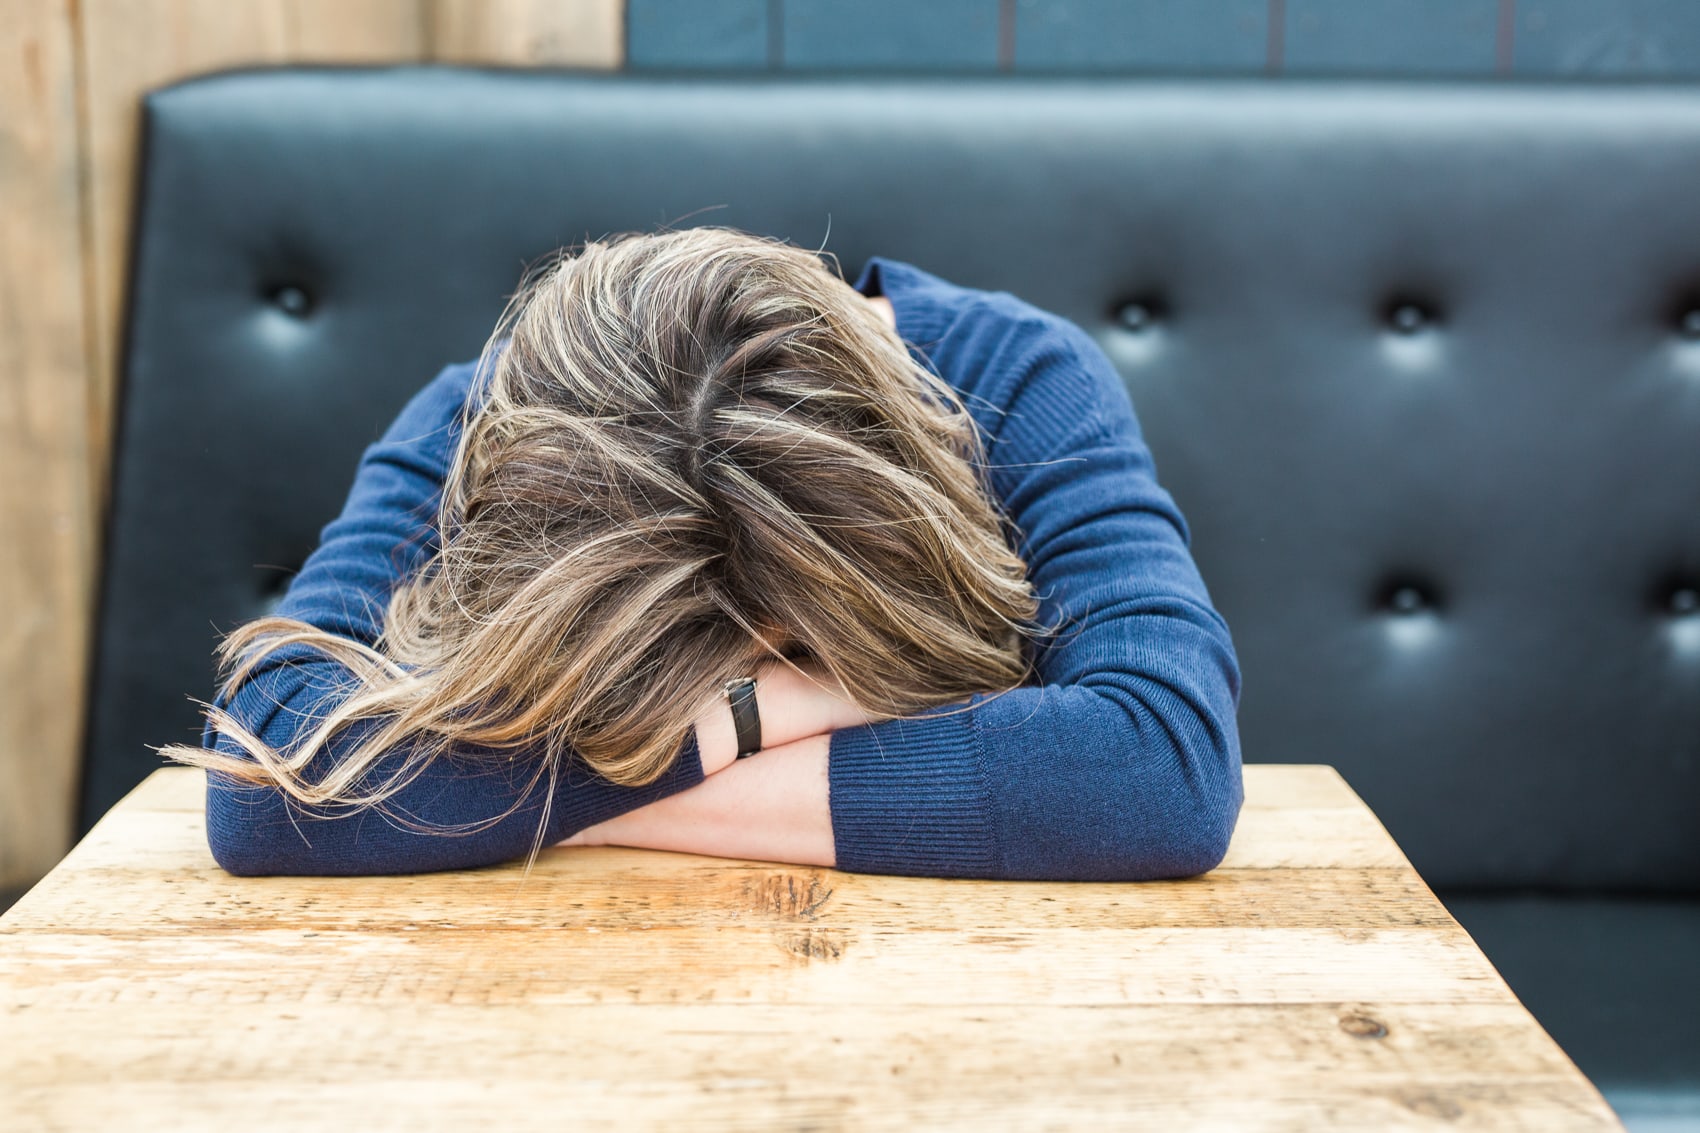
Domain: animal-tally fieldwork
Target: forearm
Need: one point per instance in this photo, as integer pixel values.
(795, 700)
(459, 813)
(496, 810)
(772, 806)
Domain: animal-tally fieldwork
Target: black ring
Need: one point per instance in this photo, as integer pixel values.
(741, 694)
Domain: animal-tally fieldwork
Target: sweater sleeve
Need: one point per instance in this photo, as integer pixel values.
(1122, 762)
(386, 530)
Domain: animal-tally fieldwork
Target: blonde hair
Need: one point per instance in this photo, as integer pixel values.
(682, 447)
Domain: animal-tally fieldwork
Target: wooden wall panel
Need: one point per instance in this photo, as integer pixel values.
(73, 75)
(575, 33)
(45, 517)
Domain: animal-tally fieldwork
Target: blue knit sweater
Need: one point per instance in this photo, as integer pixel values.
(1122, 763)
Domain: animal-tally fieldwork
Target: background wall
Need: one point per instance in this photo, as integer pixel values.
(1435, 38)
(71, 73)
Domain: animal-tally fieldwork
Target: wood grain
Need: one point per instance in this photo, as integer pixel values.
(867, 1067)
(575, 33)
(45, 502)
(1315, 983)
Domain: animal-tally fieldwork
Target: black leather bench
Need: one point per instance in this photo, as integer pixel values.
(1420, 361)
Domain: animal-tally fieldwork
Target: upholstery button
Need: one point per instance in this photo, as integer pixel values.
(1690, 324)
(1684, 600)
(1136, 317)
(1406, 600)
(292, 301)
(1408, 318)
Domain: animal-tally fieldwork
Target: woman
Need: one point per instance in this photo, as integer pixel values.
(979, 644)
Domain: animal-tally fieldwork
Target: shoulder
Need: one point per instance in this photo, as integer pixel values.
(930, 307)
(434, 413)
(1003, 354)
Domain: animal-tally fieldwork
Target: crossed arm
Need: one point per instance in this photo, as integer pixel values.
(772, 806)
(1121, 763)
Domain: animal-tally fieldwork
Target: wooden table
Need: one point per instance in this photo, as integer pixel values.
(1312, 981)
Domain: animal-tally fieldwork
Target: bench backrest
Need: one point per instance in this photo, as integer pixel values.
(1420, 362)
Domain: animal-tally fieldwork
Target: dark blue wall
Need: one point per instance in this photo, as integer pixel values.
(1441, 38)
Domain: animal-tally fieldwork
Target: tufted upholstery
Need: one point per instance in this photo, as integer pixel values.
(1420, 362)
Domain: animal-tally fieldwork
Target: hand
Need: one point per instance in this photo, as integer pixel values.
(796, 701)
(773, 807)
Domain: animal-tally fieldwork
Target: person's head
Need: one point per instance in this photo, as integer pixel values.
(687, 451)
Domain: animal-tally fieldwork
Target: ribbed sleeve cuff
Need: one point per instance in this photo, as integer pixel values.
(910, 797)
(587, 799)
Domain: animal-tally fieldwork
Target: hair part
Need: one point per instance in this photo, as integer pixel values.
(685, 452)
